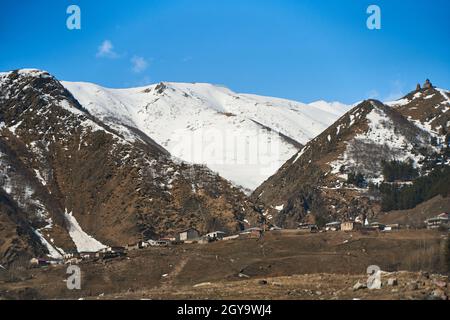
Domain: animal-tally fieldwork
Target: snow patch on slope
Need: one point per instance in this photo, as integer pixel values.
(83, 241)
(53, 253)
(445, 94)
(299, 155)
(397, 103)
(39, 177)
(381, 132)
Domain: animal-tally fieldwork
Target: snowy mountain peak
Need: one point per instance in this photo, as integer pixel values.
(244, 137)
(36, 73)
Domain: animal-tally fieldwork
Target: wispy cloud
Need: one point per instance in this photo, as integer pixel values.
(186, 59)
(373, 94)
(139, 64)
(396, 91)
(144, 81)
(106, 50)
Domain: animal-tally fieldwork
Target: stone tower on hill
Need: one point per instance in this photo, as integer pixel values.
(427, 84)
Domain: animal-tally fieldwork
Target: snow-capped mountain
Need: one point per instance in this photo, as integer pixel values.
(70, 181)
(245, 138)
(318, 182)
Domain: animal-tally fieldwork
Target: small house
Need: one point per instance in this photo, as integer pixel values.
(113, 254)
(71, 254)
(104, 250)
(275, 228)
(333, 226)
(132, 246)
(254, 233)
(143, 244)
(351, 226)
(188, 235)
(377, 226)
(111, 250)
(216, 235)
(152, 243)
(233, 237)
(89, 255)
(163, 242)
(117, 249)
(308, 227)
(36, 262)
(438, 222)
(72, 261)
(392, 227)
(159, 243)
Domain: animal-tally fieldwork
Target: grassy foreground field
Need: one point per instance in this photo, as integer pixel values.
(282, 265)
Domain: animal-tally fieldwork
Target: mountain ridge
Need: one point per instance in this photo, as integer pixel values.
(314, 184)
(81, 171)
(229, 124)
(78, 183)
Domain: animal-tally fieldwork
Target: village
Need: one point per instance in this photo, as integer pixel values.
(193, 236)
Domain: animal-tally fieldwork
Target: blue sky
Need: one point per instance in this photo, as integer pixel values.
(302, 50)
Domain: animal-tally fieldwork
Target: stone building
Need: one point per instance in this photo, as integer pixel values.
(427, 84)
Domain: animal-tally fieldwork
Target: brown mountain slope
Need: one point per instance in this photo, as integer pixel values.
(415, 217)
(313, 184)
(18, 241)
(57, 159)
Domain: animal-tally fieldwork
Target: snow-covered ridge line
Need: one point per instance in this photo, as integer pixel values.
(208, 124)
(121, 133)
(245, 138)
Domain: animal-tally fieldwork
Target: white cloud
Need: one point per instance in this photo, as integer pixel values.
(106, 50)
(139, 64)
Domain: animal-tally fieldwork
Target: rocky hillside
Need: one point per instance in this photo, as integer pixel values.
(68, 180)
(335, 175)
